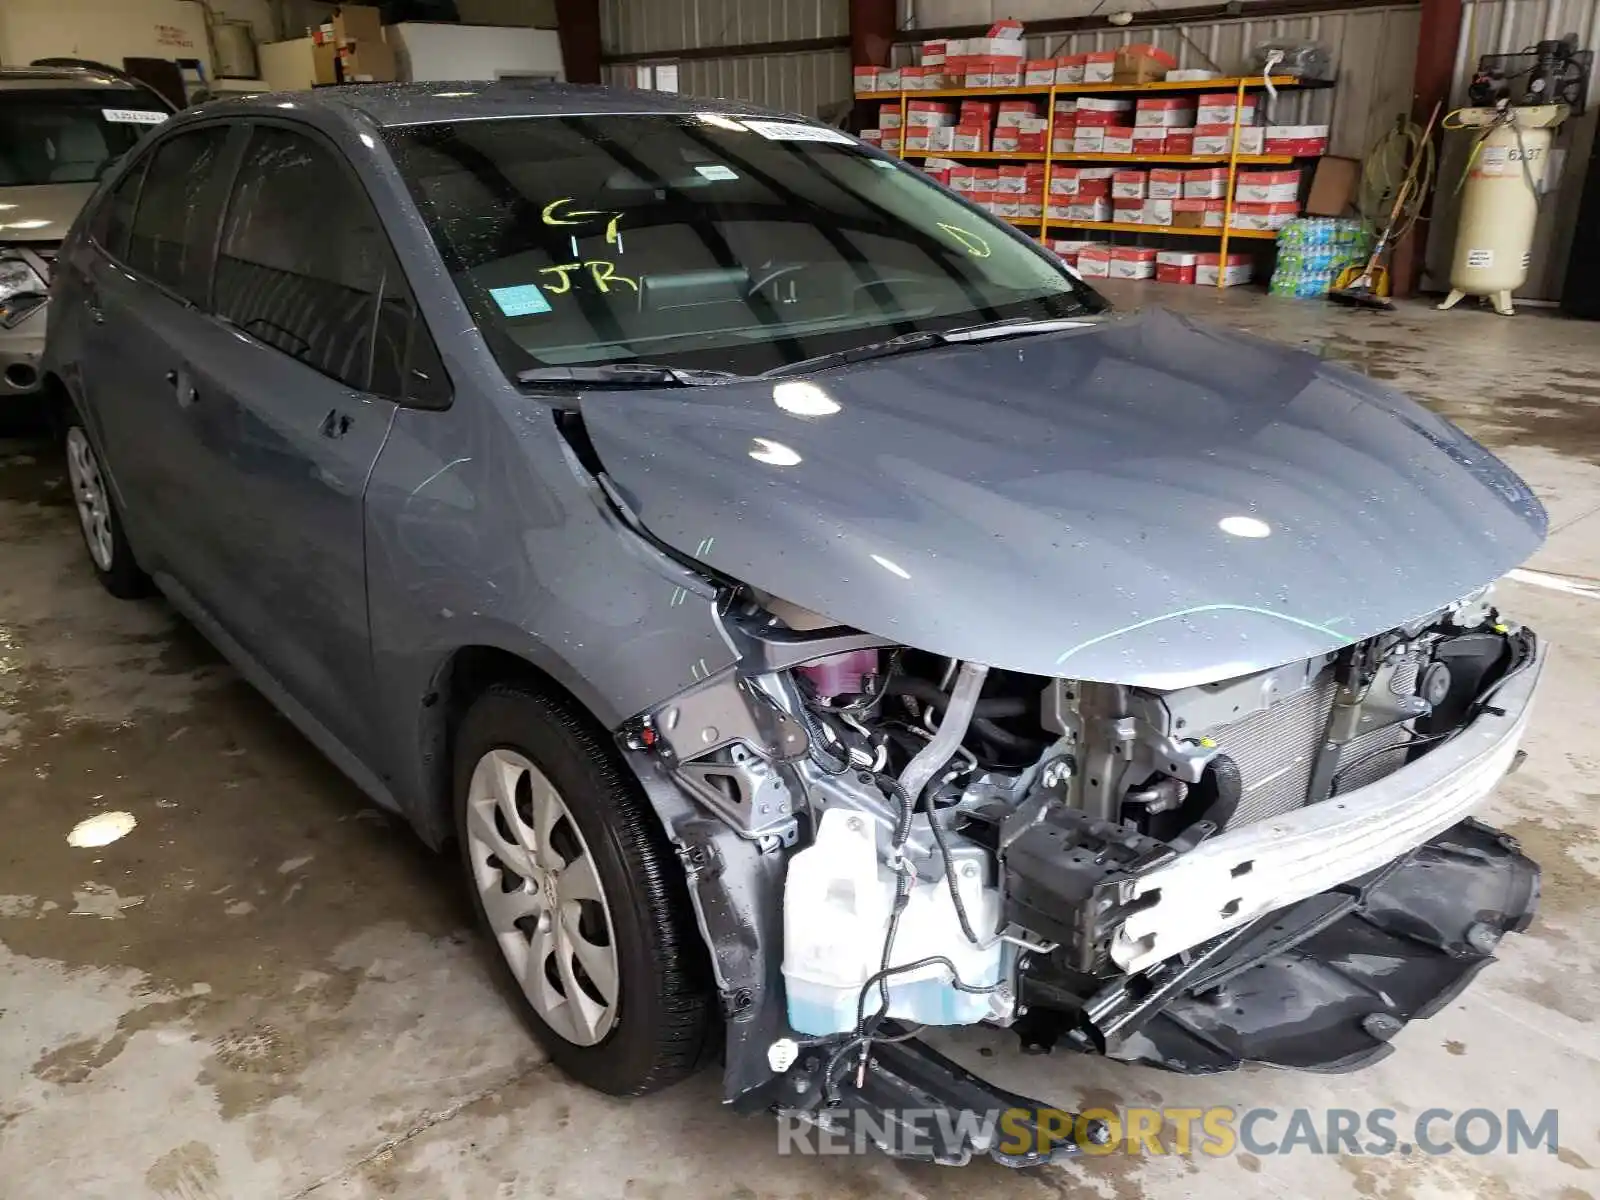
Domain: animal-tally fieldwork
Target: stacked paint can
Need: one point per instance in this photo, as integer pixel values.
(1313, 250)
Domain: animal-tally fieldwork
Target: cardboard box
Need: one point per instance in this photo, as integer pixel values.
(1008, 77)
(1098, 209)
(1234, 272)
(1216, 108)
(1158, 212)
(888, 116)
(1112, 105)
(1119, 140)
(1300, 140)
(962, 179)
(367, 62)
(1165, 183)
(1133, 262)
(324, 62)
(1263, 216)
(1176, 266)
(889, 79)
(891, 141)
(357, 23)
(1012, 112)
(1012, 178)
(930, 112)
(971, 139)
(1100, 66)
(916, 137)
(1205, 183)
(1180, 141)
(1005, 141)
(914, 79)
(1064, 181)
(1093, 189)
(1069, 68)
(1063, 143)
(1333, 187)
(872, 137)
(1218, 139)
(1030, 141)
(933, 53)
(865, 79)
(1129, 185)
(1072, 246)
(1094, 262)
(1060, 208)
(1032, 206)
(1142, 63)
(976, 112)
(1127, 212)
(1089, 141)
(1039, 71)
(1007, 204)
(1215, 211)
(1190, 214)
(1268, 187)
(1150, 140)
(1164, 110)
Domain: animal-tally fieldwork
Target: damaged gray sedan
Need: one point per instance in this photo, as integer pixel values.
(815, 617)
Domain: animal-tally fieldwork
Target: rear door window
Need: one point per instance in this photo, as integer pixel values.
(305, 267)
(176, 222)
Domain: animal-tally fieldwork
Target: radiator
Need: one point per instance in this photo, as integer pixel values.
(1275, 749)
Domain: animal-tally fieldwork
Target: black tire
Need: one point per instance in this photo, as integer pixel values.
(664, 1006)
(122, 576)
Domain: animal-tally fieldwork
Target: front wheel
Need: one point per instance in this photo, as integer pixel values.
(109, 552)
(574, 881)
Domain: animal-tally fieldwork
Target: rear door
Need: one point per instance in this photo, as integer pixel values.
(146, 280)
(301, 369)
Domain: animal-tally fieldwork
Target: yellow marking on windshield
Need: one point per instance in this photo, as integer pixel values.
(975, 245)
(605, 274)
(564, 271)
(580, 216)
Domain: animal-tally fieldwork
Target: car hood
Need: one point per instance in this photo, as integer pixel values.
(42, 213)
(1144, 500)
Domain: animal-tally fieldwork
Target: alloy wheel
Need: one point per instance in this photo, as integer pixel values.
(89, 493)
(542, 895)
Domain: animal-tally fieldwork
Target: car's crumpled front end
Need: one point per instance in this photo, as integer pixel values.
(1130, 686)
(1277, 868)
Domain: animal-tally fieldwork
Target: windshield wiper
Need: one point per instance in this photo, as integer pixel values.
(625, 374)
(907, 343)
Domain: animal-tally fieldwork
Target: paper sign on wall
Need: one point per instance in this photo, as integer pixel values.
(133, 116)
(787, 131)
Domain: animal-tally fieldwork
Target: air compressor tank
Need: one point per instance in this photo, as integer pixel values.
(1500, 200)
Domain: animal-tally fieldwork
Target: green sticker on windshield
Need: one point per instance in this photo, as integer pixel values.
(523, 300)
(716, 171)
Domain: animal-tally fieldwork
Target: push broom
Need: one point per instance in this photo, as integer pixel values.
(1364, 291)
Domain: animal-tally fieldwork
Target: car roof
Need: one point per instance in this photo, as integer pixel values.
(398, 104)
(31, 78)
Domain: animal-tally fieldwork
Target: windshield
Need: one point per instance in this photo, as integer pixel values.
(63, 135)
(708, 241)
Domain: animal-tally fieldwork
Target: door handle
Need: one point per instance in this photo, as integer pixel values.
(184, 387)
(336, 424)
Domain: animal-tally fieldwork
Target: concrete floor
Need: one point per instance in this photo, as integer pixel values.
(267, 989)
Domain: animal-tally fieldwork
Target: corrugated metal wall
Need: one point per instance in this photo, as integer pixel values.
(1505, 27)
(800, 83)
(797, 83)
(640, 26)
(1374, 51)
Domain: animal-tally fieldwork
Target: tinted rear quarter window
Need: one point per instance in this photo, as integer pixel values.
(176, 222)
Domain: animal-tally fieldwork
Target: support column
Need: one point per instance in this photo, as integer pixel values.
(578, 26)
(872, 30)
(1434, 80)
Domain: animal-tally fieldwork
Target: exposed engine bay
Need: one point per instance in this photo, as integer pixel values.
(1191, 878)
